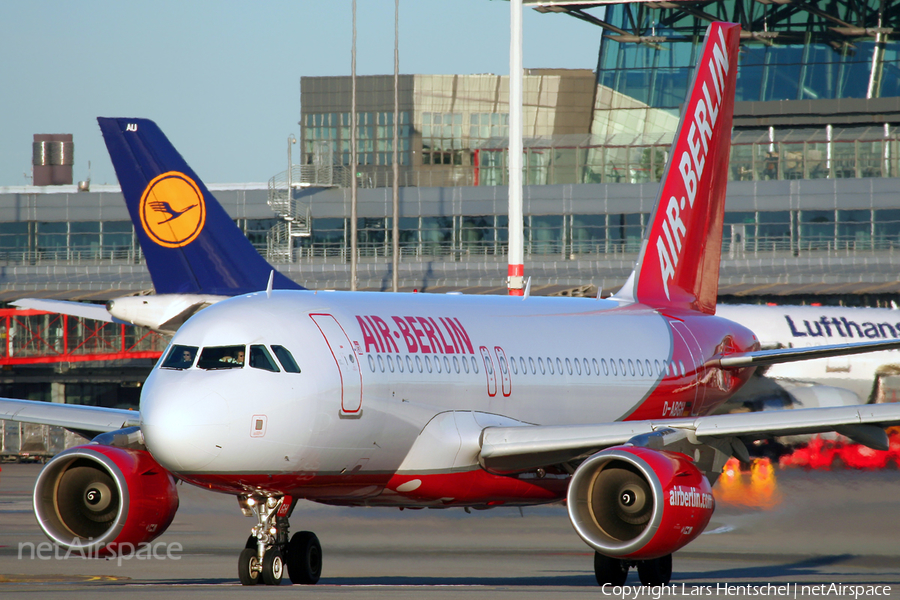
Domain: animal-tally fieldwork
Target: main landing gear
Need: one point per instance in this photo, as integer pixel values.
(614, 571)
(268, 552)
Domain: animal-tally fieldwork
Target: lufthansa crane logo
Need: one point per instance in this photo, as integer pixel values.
(172, 210)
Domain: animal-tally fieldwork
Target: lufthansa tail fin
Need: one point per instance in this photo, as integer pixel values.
(678, 265)
(191, 244)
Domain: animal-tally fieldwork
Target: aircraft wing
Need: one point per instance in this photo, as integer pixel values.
(77, 309)
(528, 447)
(761, 358)
(70, 416)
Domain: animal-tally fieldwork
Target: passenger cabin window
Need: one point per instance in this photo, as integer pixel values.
(221, 357)
(261, 359)
(286, 359)
(180, 357)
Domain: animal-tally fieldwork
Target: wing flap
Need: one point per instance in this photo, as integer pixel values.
(70, 416)
(797, 421)
(528, 447)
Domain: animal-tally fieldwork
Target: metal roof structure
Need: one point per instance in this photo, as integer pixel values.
(771, 22)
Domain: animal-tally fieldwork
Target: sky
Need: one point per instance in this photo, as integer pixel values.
(222, 78)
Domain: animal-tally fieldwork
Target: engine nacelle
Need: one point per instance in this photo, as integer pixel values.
(92, 496)
(632, 502)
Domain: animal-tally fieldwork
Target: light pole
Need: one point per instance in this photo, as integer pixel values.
(353, 157)
(516, 270)
(395, 226)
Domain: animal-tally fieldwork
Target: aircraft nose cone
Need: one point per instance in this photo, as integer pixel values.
(185, 432)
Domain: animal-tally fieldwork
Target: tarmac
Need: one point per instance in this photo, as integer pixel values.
(821, 528)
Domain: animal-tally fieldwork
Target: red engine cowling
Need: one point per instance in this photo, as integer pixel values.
(631, 502)
(95, 498)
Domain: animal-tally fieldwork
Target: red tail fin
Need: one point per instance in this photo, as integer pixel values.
(679, 260)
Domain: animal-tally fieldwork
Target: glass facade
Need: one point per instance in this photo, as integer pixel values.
(792, 53)
(562, 235)
(756, 155)
(75, 240)
(571, 235)
(374, 137)
(445, 118)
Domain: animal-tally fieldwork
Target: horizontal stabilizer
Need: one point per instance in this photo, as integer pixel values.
(84, 310)
(762, 358)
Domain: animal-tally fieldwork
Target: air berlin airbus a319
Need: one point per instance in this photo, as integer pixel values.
(420, 400)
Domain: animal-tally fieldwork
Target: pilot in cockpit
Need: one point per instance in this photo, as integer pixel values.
(187, 359)
(237, 359)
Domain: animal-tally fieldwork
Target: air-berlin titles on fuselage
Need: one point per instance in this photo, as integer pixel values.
(426, 335)
(692, 161)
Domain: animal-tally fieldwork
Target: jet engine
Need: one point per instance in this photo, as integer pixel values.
(638, 503)
(95, 498)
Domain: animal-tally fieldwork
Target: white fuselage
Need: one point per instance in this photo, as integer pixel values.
(376, 369)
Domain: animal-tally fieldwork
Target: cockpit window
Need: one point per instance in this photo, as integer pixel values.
(261, 359)
(180, 357)
(221, 357)
(284, 357)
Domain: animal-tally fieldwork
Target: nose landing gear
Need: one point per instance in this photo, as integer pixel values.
(268, 551)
